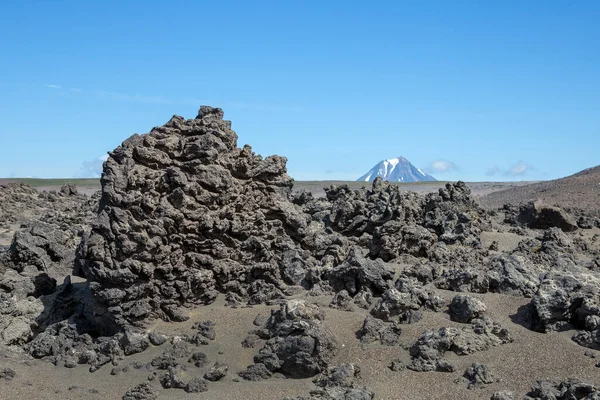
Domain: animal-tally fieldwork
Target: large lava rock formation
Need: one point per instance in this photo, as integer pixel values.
(186, 214)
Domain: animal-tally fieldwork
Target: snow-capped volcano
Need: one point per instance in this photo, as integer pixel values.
(397, 169)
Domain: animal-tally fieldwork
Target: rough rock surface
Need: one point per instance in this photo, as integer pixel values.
(360, 273)
(537, 215)
(338, 383)
(477, 376)
(465, 308)
(216, 372)
(298, 344)
(503, 395)
(143, 391)
(428, 351)
(184, 215)
(404, 302)
(42, 250)
(177, 378)
(375, 329)
(567, 300)
(567, 390)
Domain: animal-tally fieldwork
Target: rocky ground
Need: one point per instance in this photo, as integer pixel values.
(201, 268)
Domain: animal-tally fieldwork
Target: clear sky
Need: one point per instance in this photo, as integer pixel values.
(472, 90)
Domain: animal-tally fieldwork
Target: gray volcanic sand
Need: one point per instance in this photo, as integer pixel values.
(531, 356)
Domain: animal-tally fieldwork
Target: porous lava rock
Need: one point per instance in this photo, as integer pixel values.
(566, 390)
(464, 308)
(477, 376)
(338, 383)
(42, 250)
(186, 214)
(375, 329)
(298, 344)
(404, 302)
(567, 300)
(538, 215)
(428, 351)
(143, 391)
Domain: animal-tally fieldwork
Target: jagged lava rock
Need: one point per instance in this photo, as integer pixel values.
(298, 344)
(184, 215)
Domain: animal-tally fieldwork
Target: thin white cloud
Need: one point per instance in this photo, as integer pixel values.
(53, 86)
(519, 169)
(441, 166)
(92, 168)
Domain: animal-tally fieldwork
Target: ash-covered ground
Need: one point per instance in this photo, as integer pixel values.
(200, 271)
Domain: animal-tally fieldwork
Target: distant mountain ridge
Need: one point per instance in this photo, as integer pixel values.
(397, 169)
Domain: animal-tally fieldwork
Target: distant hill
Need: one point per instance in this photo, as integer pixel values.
(397, 169)
(580, 190)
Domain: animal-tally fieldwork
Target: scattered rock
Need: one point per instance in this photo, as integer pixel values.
(177, 378)
(250, 341)
(339, 383)
(375, 329)
(298, 344)
(216, 372)
(255, 372)
(206, 329)
(341, 301)
(503, 395)
(404, 302)
(477, 376)
(397, 365)
(143, 391)
(156, 338)
(537, 215)
(464, 308)
(7, 374)
(566, 390)
(428, 351)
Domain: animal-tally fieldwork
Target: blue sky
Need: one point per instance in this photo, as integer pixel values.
(472, 90)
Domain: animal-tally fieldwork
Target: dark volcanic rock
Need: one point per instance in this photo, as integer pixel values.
(567, 390)
(567, 300)
(7, 374)
(375, 329)
(341, 301)
(298, 345)
(465, 308)
(338, 383)
(184, 215)
(143, 391)
(428, 351)
(454, 215)
(255, 372)
(477, 376)
(216, 372)
(404, 302)
(178, 378)
(503, 395)
(537, 215)
(359, 273)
